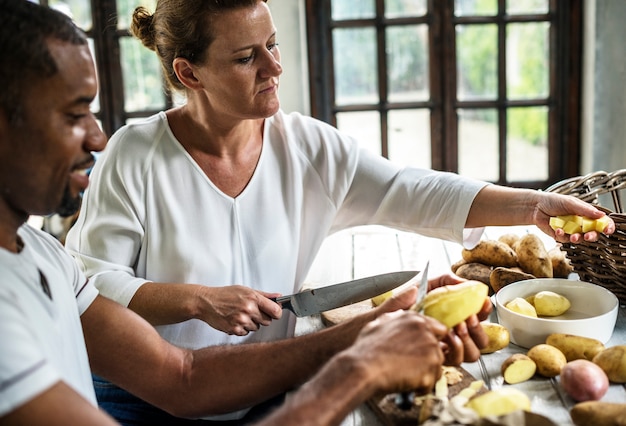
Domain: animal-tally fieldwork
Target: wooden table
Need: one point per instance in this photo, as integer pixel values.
(364, 251)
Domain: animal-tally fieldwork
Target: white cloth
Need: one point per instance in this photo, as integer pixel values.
(151, 214)
(42, 338)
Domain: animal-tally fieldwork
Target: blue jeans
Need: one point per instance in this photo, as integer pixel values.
(129, 410)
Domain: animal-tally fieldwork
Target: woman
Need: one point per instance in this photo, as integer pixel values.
(199, 214)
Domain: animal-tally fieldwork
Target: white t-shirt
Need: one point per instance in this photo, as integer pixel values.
(42, 295)
(150, 213)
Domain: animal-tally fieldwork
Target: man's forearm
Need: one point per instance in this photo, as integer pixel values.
(327, 399)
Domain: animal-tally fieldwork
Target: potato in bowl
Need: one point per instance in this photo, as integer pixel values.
(593, 311)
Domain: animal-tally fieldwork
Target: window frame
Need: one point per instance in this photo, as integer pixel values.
(106, 38)
(564, 99)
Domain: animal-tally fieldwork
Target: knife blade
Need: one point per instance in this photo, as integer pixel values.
(404, 400)
(317, 300)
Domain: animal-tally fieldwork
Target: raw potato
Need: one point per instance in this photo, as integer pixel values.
(521, 306)
(613, 361)
(584, 381)
(549, 359)
(453, 304)
(455, 266)
(509, 239)
(474, 271)
(492, 253)
(598, 413)
(499, 402)
(501, 277)
(572, 224)
(378, 300)
(499, 337)
(532, 256)
(561, 266)
(518, 368)
(575, 347)
(550, 304)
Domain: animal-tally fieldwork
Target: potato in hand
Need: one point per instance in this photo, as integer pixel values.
(453, 304)
(572, 224)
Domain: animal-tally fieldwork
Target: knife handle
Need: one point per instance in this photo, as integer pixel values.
(284, 301)
(404, 400)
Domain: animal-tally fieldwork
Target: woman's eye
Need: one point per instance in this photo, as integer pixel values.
(272, 46)
(246, 59)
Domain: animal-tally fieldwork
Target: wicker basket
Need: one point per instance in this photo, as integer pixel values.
(602, 262)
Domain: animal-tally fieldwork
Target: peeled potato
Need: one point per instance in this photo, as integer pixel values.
(550, 304)
(378, 300)
(499, 402)
(453, 304)
(521, 306)
(572, 224)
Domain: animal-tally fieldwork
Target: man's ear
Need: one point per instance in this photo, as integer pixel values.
(184, 70)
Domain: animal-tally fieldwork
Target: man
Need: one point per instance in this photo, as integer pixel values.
(55, 327)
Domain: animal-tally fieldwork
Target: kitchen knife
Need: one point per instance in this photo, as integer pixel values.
(404, 400)
(317, 300)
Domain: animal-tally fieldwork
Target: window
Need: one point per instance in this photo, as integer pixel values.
(130, 79)
(486, 88)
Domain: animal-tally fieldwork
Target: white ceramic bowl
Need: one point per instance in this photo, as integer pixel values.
(593, 312)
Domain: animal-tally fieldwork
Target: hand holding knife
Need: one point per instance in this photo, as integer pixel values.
(404, 400)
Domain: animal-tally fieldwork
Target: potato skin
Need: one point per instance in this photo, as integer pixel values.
(549, 359)
(499, 337)
(474, 271)
(501, 277)
(613, 361)
(491, 253)
(532, 256)
(599, 413)
(575, 347)
(583, 380)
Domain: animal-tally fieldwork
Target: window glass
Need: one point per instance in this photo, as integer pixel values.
(527, 138)
(527, 60)
(526, 6)
(356, 80)
(407, 63)
(364, 126)
(404, 8)
(475, 7)
(409, 137)
(125, 10)
(477, 61)
(478, 143)
(353, 9)
(143, 87)
(78, 10)
(95, 105)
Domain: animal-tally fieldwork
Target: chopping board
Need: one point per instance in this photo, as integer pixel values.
(384, 406)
